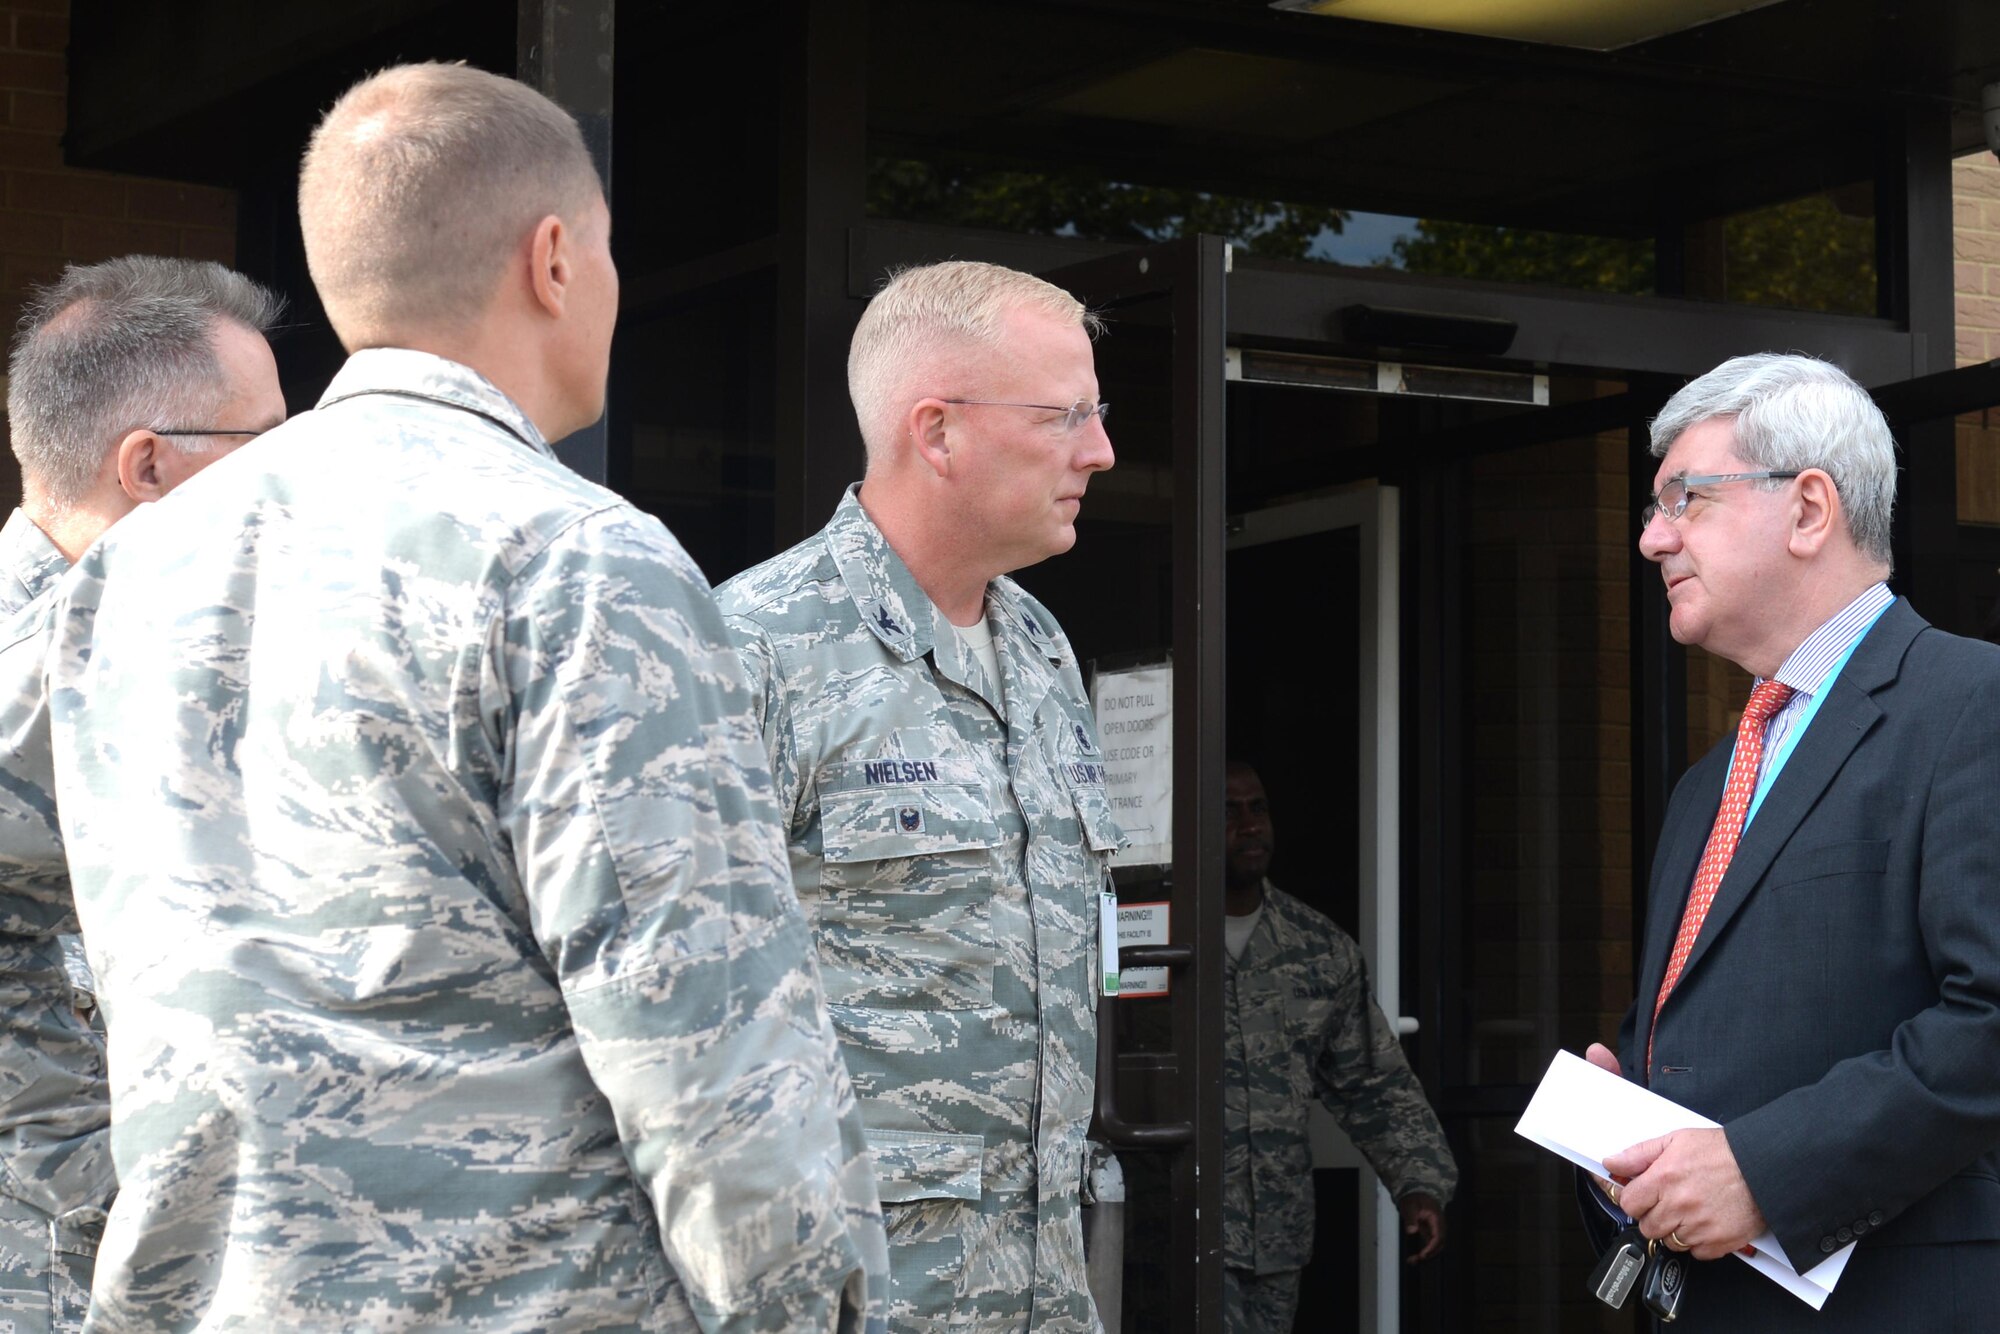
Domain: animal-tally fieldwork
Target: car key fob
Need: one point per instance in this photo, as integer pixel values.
(1620, 1268)
(1665, 1282)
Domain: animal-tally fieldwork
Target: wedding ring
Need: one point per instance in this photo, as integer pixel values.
(1675, 1237)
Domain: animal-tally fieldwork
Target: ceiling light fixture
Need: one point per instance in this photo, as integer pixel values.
(1594, 25)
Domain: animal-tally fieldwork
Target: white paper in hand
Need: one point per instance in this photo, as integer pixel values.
(1586, 1114)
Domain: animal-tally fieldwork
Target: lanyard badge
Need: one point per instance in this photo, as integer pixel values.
(1107, 937)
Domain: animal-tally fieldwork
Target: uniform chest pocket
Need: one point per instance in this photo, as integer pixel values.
(904, 919)
(1306, 1014)
(1266, 1041)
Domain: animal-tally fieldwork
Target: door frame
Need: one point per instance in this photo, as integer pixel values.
(1192, 274)
(1375, 511)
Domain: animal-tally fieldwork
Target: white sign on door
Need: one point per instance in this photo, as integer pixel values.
(1142, 924)
(1135, 721)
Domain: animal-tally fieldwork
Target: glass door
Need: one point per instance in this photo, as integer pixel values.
(1323, 731)
(1143, 588)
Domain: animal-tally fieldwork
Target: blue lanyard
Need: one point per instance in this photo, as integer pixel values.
(1798, 729)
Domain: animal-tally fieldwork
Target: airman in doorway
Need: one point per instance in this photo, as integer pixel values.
(1302, 1025)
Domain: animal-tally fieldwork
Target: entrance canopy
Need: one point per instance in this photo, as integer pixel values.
(1237, 96)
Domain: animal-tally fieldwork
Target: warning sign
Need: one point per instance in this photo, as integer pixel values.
(1142, 924)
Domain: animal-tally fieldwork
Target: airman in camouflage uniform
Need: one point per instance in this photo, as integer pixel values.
(30, 564)
(55, 1153)
(947, 821)
(422, 835)
(1302, 1026)
(103, 355)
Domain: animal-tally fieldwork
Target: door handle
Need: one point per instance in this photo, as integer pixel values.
(1112, 1128)
(1154, 956)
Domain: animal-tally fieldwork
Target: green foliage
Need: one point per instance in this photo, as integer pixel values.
(1075, 202)
(1517, 255)
(1805, 254)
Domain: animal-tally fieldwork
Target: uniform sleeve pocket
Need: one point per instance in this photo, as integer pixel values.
(73, 1242)
(914, 1165)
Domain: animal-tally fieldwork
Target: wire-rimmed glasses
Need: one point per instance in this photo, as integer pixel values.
(1673, 498)
(1073, 416)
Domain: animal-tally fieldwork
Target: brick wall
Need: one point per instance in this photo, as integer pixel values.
(1975, 228)
(51, 214)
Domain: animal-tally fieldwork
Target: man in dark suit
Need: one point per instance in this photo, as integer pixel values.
(1821, 973)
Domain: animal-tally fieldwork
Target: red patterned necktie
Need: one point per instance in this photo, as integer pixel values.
(1765, 701)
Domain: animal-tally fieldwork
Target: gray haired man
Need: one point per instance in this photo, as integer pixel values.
(126, 378)
(1821, 971)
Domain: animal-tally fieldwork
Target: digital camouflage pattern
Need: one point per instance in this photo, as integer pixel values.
(948, 837)
(1301, 1026)
(425, 849)
(30, 565)
(30, 568)
(1260, 1303)
(55, 1152)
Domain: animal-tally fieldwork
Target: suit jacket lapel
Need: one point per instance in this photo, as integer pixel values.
(1847, 715)
(1681, 845)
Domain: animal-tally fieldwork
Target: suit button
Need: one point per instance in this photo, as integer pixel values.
(1826, 1244)
(1875, 1218)
(1860, 1226)
(1846, 1235)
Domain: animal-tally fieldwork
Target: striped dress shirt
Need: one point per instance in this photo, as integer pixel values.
(1809, 668)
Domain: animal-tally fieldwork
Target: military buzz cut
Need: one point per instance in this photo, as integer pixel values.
(922, 316)
(418, 186)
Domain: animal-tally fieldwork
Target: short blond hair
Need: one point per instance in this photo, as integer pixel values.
(928, 315)
(417, 187)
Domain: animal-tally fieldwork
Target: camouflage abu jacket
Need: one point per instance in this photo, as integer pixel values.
(948, 837)
(55, 1145)
(424, 846)
(30, 569)
(30, 565)
(1301, 1026)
